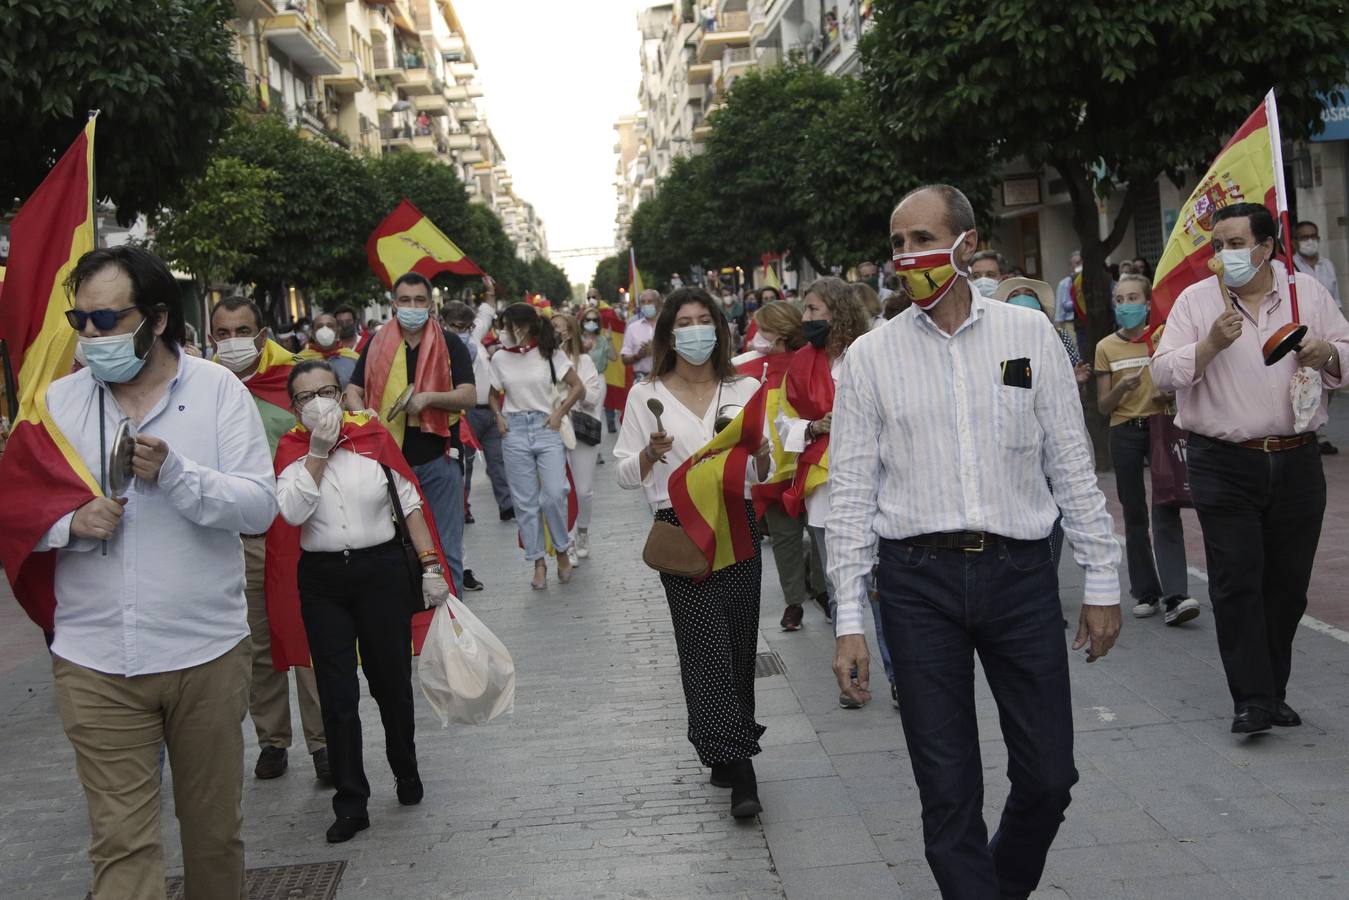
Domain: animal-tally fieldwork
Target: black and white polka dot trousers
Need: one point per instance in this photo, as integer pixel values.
(716, 626)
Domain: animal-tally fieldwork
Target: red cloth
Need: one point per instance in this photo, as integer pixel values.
(810, 391)
(433, 371)
(290, 644)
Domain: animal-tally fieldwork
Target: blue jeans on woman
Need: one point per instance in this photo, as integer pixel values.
(536, 470)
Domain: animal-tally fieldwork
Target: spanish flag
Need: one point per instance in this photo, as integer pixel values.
(44, 477)
(407, 241)
(363, 435)
(707, 491)
(341, 352)
(808, 393)
(634, 276)
(617, 377)
(1244, 172)
(771, 372)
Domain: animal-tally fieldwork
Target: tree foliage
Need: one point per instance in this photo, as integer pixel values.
(163, 74)
(543, 277)
(227, 220)
(610, 275)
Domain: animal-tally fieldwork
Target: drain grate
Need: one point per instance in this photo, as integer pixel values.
(766, 664)
(306, 881)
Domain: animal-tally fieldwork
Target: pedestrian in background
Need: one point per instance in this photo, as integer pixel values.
(716, 619)
(1126, 394)
(583, 457)
(353, 578)
(638, 335)
(1255, 476)
(462, 322)
(530, 409)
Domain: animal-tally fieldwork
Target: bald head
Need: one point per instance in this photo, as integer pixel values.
(931, 218)
(955, 206)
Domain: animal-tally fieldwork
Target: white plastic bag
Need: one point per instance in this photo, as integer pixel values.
(1305, 392)
(467, 674)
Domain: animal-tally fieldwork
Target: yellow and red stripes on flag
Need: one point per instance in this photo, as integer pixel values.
(407, 241)
(268, 383)
(808, 393)
(707, 491)
(617, 377)
(44, 477)
(1243, 172)
(770, 372)
(634, 276)
(314, 353)
(393, 389)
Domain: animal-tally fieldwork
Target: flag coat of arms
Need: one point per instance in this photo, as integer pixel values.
(407, 241)
(44, 477)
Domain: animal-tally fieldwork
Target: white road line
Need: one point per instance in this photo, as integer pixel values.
(1311, 622)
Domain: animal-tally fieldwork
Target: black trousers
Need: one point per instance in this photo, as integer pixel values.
(716, 628)
(346, 599)
(1261, 514)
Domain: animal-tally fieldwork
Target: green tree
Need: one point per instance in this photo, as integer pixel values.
(225, 221)
(487, 244)
(1112, 96)
(163, 73)
(610, 275)
(543, 277)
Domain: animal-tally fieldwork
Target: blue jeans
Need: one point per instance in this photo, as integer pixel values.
(940, 608)
(536, 470)
(484, 425)
(443, 487)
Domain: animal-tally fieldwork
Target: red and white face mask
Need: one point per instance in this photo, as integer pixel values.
(929, 274)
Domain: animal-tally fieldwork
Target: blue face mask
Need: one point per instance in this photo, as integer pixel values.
(696, 342)
(413, 318)
(113, 359)
(1237, 266)
(1131, 315)
(649, 310)
(1024, 301)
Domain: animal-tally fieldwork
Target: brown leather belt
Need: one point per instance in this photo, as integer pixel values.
(969, 541)
(1276, 443)
(254, 536)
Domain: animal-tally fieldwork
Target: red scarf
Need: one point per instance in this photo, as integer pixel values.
(1146, 337)
(810, 391)
(363, 435)
(433, 371)
(521, 348)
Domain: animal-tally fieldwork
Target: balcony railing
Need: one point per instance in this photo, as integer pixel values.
(737, 56)
(733, 21)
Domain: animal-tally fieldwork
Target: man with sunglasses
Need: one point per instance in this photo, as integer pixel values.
(243, 345)
(150, 645)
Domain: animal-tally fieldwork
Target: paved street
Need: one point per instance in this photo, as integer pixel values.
(591, 790)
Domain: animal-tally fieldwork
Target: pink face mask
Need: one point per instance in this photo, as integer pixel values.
(761, 344)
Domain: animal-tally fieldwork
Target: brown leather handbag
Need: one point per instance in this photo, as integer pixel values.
(671, 551)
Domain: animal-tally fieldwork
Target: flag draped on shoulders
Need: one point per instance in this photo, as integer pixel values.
(707, 490)
(808, 393)
(44, 477)
(1243, 172)
(335, 352)
(386, 378)
(407, 241)
(360, 434)
(617, 377)
(771, 372)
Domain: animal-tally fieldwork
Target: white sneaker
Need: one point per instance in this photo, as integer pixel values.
(571, 555)
(582, 544)
(1146, 608)
(1184, 611)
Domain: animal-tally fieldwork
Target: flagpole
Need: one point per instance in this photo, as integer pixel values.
(1281, 201)
(93, 186)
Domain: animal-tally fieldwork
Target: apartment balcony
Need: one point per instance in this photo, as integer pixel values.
(420, 80)
(351, 80)
(306, 119)
(732, 31)
(395, 137)
(700, 73)
(737, 59)
(389, 65)
(435, 104)
(462, 141)
(255, 9)
(471, 156)
(305, 41)
(454, 46)
(758, 17)
(466, 112)
(424, 143)
(463, 71)
(457, 93)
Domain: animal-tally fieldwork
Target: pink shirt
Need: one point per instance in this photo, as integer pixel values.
(1237, 397)
(634, 336)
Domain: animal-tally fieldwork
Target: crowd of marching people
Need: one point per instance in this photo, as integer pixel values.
(911, 443)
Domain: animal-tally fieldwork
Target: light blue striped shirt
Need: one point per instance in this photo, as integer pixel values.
(926, 438)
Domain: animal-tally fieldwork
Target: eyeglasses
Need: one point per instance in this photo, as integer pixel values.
(327, 392)
(103, 319)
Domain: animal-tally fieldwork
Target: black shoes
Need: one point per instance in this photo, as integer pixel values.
(1250, 720)
(468, 518)
(744, 790)
(1285, 716)
(508, 514)
(409, 791)
(346, 827)
(322, 771)
(791, 617)
(723, 775)
(271, 763)
(471, 583)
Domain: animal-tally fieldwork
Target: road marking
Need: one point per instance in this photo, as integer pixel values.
(1103, 713)
(1311, 622)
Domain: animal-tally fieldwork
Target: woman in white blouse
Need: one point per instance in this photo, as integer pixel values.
(352, 577)
(534, 388)
(716, 620)
(583, 457)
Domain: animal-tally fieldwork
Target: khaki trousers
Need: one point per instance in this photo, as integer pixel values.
(117, 725)
(269, 691)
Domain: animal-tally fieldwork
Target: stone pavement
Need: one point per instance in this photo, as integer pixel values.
(591, 790)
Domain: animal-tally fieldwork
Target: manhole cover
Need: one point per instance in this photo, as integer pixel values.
(766, 664)
(307, 881)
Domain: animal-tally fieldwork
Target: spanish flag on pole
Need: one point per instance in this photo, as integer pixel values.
(808, 393)
(1246, 171)
(707, 491)
(407, 241)
(771, 371)
(44, 477)
(617, 377)
(635, 287)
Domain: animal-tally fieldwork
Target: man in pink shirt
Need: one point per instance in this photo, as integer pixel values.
(1256, 479)
(637, 338)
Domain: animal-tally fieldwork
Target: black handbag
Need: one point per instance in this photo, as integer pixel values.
(588, 428)
(414, 602)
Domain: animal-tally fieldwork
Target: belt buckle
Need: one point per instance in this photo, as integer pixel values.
(1264, 444)
(979, 549)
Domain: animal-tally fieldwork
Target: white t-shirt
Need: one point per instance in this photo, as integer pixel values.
(525, 379)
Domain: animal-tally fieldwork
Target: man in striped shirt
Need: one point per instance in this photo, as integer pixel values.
(948, 421)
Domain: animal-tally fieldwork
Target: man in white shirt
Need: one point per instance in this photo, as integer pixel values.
(1307, 240)
(151, 639)
(947, 424)
(471, 329)
(637, 337)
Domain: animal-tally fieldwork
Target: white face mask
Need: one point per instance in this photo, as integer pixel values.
(1308, 247)
(508, 339)
(237, 354)
(1238, 269)
(985, 285)
(325, 336)
(313, 412)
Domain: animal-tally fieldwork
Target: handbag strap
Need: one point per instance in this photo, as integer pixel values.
(404, 535)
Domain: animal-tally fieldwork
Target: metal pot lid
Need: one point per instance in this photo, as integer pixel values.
(119, 458)
(400, 404)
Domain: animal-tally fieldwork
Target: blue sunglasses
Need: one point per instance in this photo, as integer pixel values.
(103, 319)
